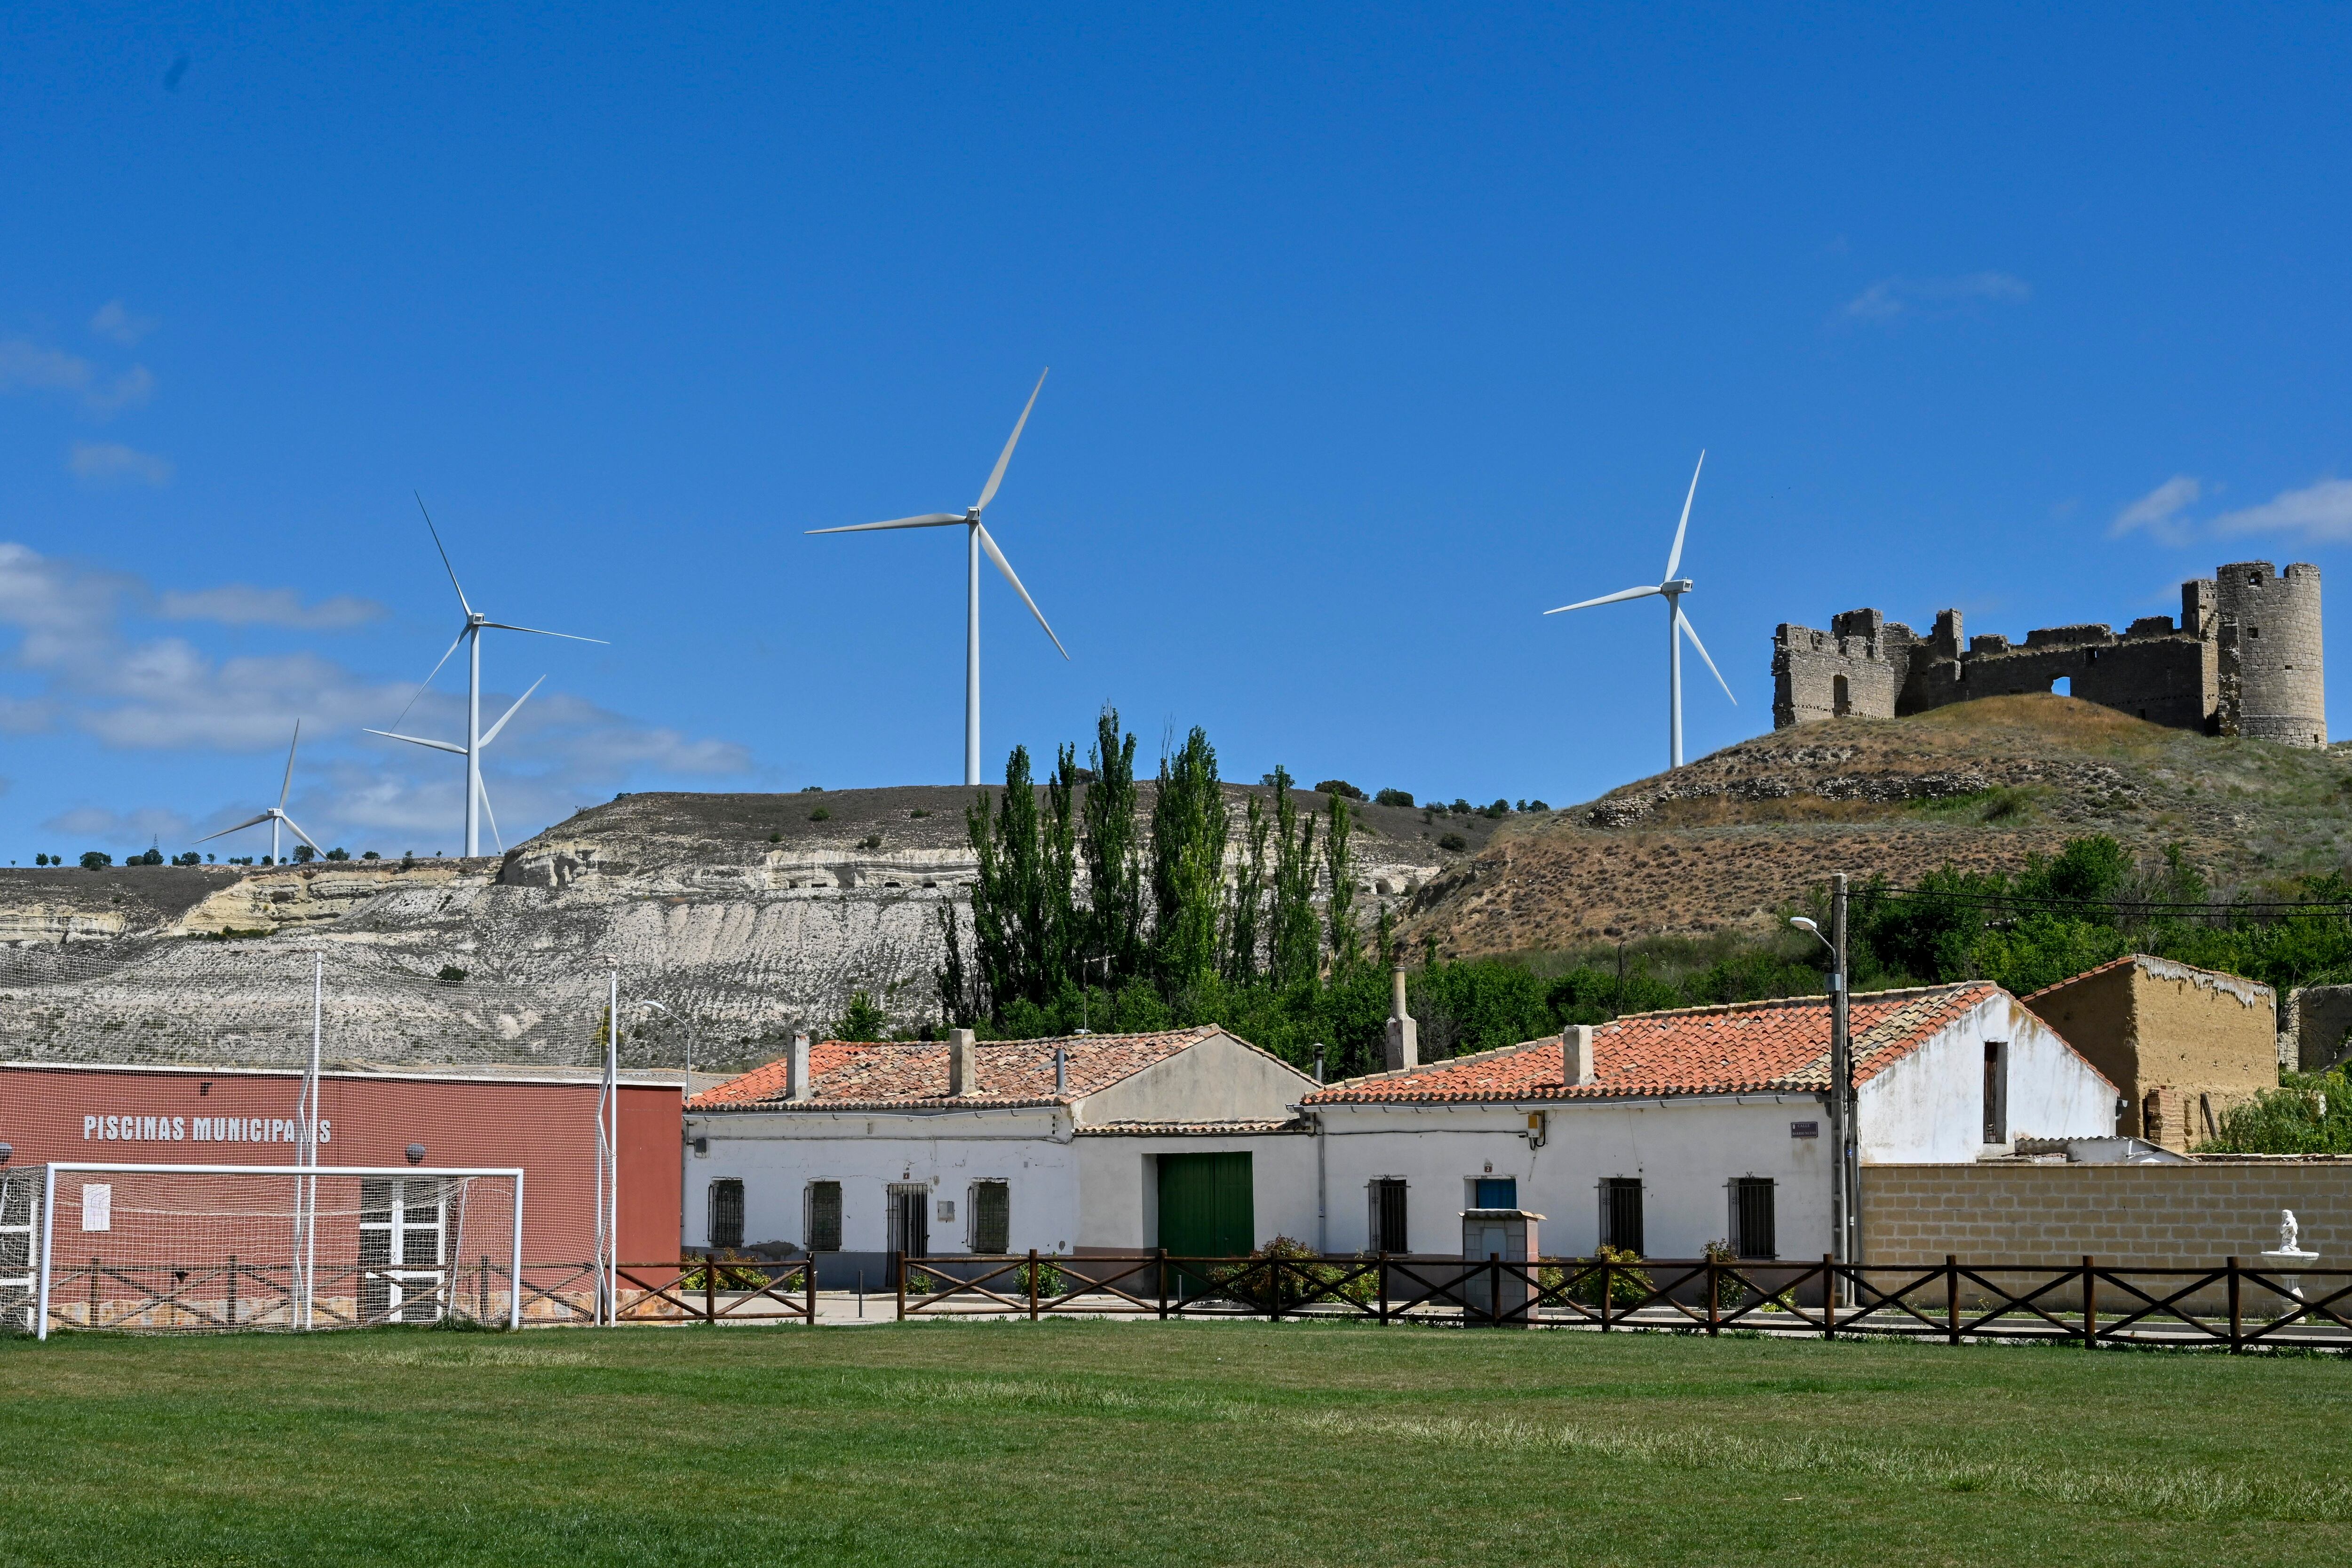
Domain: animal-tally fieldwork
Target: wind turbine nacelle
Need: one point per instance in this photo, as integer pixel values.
(1676, 586)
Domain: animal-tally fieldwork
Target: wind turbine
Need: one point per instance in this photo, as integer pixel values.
(276, 814)
(477, 800)
(976, 540)
(1672, 589)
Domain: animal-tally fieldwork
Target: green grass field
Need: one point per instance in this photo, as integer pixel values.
(1099, 1443)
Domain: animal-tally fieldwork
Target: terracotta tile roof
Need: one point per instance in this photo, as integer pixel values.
(913, 1074)
(1746, 1048)
(1190, 1128)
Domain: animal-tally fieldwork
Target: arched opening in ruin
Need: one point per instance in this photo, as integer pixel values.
(2063, 685)
(1841, 696)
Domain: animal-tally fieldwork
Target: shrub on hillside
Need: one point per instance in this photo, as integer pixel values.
(1339, 787)
(1393, 798)
(96, 859)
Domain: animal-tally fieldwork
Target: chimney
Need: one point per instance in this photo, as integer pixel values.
(1576, 1054)
(1404, 1036)
(796, 1071)
(1061, 1072)
(963, 1063)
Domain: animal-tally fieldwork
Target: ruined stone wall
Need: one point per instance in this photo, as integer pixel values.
(2151, 672)
(2315, 1023)
(2282, 692)
(1856, 667)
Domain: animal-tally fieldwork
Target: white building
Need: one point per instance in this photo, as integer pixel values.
(1682, 1128)
(1188, 1139)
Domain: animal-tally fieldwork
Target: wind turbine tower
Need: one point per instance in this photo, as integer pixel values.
(470, 634)
(976, 540)
(1679, 626)
(274, 815)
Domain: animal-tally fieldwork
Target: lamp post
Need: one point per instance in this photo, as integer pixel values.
(1845, 1182)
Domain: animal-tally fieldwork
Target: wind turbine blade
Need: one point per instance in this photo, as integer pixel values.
(289, 784)
(1674, 556)
(418, 741)
(445, 557)
(510, 713)
(483, 789)
(1621, 594)
(433, 671)
(1006, 568)
(1691, 632)
(504, 627)
(928, 519)
(299, 832)
(224, 833)
(996, 477)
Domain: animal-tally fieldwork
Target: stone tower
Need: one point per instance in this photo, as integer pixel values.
(2281, 687)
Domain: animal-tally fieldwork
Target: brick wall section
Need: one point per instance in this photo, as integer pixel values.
(2188, 1215)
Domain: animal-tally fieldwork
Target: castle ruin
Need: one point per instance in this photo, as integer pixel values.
(2245, 659)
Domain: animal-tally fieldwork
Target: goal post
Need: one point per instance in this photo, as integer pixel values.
(159, 1248)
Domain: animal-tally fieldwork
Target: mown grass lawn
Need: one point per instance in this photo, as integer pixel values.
(1101, 1443)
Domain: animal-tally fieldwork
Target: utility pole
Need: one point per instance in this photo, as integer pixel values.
(1848, 1199)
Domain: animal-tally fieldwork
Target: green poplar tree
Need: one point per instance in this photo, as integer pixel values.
(1188, 854)
(1294, 947)
(1347, 942)
(1113, 858)
(1243, 921)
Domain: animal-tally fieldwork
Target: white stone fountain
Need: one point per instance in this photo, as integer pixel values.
(2289, 1259)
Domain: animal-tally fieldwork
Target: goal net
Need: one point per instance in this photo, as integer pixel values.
(180, 1249)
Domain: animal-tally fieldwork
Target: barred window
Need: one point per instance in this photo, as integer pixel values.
(1752, 1218)
(823, 1228)
(992, 1216)
(727, 1212)
(1620, 1212)
(1388, 1234)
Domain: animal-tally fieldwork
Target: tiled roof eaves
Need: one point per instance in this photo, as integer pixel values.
(1586, 1094)
(935, 1103)
(1295, 1125)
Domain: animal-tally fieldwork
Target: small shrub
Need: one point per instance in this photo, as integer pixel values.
(1307, 1279)
(304, 853)
(919, 814)
(1534, 805)
(1460, 807)
(339, 853)
(820, 815)
(1627, 1286)
(729, 1272)
(1394, 797)
(1452, 842)
(370, 855)
(863, 1021)
(96, 859)
(1339, 787)
(775, 837)
(811, 789)
(1500, 809)
(451, 975)
(871, 841)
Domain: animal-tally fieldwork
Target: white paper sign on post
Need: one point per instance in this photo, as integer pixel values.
(97, 1206)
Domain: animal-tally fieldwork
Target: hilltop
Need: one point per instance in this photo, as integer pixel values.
(1729, 839)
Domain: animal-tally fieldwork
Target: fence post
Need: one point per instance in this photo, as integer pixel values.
(231, 1290)
(1033, 1284)
(1951, 1299)
(2237, 1317)
(1383, 1269)
(808, 1279)
(1829, 1295)
(1160, 1269)
(710, 1290)
(2090, 1307)
(1604, 1295)
(898, 1267)
(1714, 1318)
(1274, 1291)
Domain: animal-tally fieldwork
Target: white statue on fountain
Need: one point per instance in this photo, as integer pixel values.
(2288, 1231)
(2290, 1258)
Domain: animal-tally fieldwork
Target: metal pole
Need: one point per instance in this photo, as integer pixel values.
(613, 1139)
(49, 1229)
(514, 1294)
(310, 1135)
(1845, 1182)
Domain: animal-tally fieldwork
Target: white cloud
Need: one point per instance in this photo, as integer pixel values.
(28, 367)
(2161, 511)
(238, 604)
(113, 320)
(2321, 514)
(112, 463)
(168, 694)
(1892, 298)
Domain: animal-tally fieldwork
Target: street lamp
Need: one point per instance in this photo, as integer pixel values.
(664, 1010)
(1845, 1178)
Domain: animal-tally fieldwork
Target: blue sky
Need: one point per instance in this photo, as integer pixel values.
(1373, 334)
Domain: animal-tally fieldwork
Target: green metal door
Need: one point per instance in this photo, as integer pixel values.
(1206, 1210)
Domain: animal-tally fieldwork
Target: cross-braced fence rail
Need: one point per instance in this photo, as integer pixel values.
(2229, 1306)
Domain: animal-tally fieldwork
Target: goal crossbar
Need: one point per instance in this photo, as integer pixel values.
(307, 1178)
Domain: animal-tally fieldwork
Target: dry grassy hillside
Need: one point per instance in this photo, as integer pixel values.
(1731, 837)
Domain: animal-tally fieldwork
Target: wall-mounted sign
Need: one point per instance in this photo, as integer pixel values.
(200, 1129)
(1804, 1129)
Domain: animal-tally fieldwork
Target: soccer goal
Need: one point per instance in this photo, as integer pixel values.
(196, 1248)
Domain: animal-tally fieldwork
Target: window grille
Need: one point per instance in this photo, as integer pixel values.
(1620, 1212)
(823, 1227)
(1751, 1218)
(727, 1213)
(1388, 1234)
(992, 1216)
